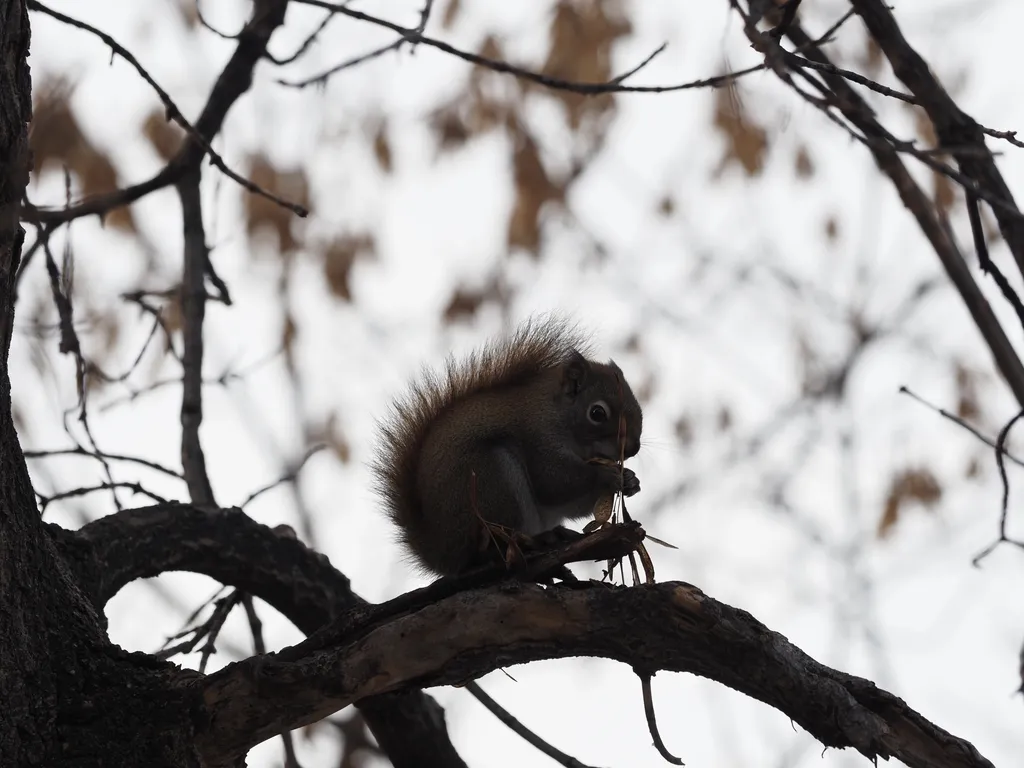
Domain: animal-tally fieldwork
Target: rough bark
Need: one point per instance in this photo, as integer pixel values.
(68, 696)
(367, 658)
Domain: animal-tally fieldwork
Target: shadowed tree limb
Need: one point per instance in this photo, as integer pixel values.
(847, 101)
(954, 128)
(673, 627)
(230, 547)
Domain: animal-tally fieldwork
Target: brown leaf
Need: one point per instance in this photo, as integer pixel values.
(340, 256)
(582, 35)
(466, 302)
(189, 13)
(684, 431)
(382, 147)
(451, 14)
(746, 142)
(474, 111)
(289, 332)
(667, 206)
(871, 59)
(164, 135)
(831, 228)
(724, 419)
(332, 435)
(945, 192)
(804, 166)
(449, 127)
(57, 140)
(973, 470)
(262, 214)
(968, 407)
(534, 189)
(911, 485)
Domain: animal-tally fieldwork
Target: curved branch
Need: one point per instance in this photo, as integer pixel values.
(671, 626)
(230, 547)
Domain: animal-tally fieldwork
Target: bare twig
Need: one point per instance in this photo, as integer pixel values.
(652, 721)
(521, 730)
(222, 609)
(81, 451)
(234, 80)
(960, 422)
(45, 501)
(953, 127)
(1004, 433)
(411, 35)
(886, 156)
(290, 476)
(1010, 136)
(173, 113)
(310, 39)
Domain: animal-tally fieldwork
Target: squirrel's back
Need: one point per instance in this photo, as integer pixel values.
(537, 345)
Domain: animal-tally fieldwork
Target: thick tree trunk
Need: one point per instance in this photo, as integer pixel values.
(67, 695)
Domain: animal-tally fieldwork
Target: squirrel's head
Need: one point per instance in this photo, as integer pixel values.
(604, 415)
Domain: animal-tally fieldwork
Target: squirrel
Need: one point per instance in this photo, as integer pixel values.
(522, 435)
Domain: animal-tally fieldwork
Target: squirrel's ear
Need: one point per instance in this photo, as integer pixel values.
(575, 373)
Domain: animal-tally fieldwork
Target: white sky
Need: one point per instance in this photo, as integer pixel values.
(908, 612)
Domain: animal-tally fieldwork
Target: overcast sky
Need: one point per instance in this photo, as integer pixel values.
(734, 294)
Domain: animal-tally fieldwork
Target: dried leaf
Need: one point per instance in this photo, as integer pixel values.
(648, 564)
(262, 214)
(746, 142)
(582, 35)
(534, 189)
(57, 141)
(165, 136)
(968, 406)
(603, 509)
(451, 14)
(944, 192)
(871, 59)
(804, 166)
(684, 431)
(660, 542)
(332, 435)
(339, 257)
(724, 419)
(189, 12)
(831, 228)
(466, 302)
(289, 332)
(973, 471)
(911, 485)
(382, 147)
(449, 127)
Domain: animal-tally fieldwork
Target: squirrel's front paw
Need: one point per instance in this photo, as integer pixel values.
(630, 483)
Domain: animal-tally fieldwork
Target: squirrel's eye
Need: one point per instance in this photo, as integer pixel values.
(598, 412)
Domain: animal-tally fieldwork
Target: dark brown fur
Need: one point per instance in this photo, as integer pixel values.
(490, 436)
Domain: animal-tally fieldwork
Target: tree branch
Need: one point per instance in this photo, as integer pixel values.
(230, 547)
(953, 127)
(193, 311)
(887, 158)
(234, 80)
(672, 626)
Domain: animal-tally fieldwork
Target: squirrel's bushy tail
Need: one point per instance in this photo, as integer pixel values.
(538, 344)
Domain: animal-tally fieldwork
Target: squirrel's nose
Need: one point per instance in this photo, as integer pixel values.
(632, 447)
